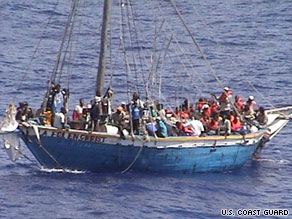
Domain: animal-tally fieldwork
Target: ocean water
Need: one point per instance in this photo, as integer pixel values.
(246, 42)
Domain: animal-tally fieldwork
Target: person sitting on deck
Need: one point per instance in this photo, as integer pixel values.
(239, 104)
(196, 125)
(236, 124)
(161, 128)
(78, 111)
(118, 120)
(225, 126)
(262, 117)
(181, 114)
(161, 111)
(250, 108)
(214, 108)
(151, 128)
(206, 111)
(202, 101)
(24, 112)
(183, 130)
(153, 111)
(213, 125)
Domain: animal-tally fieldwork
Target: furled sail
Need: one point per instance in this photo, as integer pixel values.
(10, 138)
(12, 145)
(9, 124)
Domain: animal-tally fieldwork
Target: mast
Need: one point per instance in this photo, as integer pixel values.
(103, 47)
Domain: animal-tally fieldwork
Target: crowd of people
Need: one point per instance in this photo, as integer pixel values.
(219, 115)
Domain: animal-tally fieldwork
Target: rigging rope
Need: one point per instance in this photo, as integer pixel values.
(203, 55)
(139, 47)
(54, 73)
(69, 43)
(197, 45)
(69, 20)
(184, 53)
(131, 45)
(35, 51)
(230, 59)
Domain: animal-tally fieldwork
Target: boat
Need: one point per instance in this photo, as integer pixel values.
(108, 151)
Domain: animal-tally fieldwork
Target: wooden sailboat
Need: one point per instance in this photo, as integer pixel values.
(108, 152)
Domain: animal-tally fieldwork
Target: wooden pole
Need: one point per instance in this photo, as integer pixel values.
(103, 47)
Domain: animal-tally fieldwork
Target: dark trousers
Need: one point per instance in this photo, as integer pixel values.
(135, 126)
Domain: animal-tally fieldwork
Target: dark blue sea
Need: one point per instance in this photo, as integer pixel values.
(248, 44)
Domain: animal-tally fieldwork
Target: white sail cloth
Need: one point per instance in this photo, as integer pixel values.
(9, 124)
(10, 138)
(12, 145)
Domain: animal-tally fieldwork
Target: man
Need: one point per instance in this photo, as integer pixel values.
(196, 125)
(59, 119)
(250, 108)
(95, 112)
(225, 101)
(58, 100)
(262, 116)
(78, 111)
(225, 126)
(161, 128)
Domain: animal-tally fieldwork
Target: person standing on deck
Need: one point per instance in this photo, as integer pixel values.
(136, 114)
(60, 119)
(58, 100)
(225, 101)
(95, 112)
(136, 100)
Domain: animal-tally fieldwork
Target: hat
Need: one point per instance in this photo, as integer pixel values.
(123, 103)
(120, 108)
(251, 97)
(226, 88)
(205, 106)
(97, 99)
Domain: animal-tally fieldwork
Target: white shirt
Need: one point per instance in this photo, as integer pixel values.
(59, 119)
(79, 109)
(196, 126)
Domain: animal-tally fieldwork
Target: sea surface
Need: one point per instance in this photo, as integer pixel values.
(247, 43)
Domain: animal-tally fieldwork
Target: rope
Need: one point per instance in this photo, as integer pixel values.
(197, 45)
(138, 44)
(55, 70)
(229, 58)
(69, 41)
(131, 45)
(203, 55)
(35, 129)
(134, 161)
(35, 51)
(184, 53)
(53, 75)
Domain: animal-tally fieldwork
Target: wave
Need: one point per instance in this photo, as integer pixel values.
(62, 171)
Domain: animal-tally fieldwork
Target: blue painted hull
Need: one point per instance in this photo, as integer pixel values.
(100, 157)
(105, 152)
